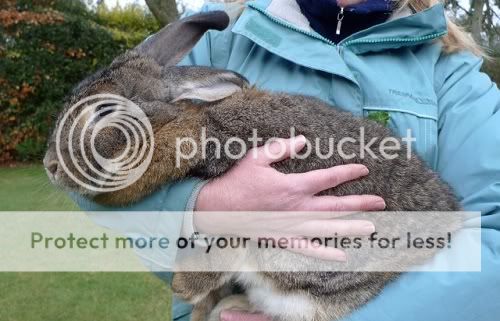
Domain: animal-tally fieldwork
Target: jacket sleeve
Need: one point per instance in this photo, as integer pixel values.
(469, 160)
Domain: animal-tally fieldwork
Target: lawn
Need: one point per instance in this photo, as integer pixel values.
(70, 296)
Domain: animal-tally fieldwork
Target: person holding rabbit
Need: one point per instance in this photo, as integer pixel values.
(402, 58)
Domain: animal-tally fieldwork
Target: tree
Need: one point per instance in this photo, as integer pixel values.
(165, 11)
(480, 17)
(476, 17)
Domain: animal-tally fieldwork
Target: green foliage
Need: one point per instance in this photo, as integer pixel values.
(30, 148)
(46, 47)
(381, 117)
(130, 24)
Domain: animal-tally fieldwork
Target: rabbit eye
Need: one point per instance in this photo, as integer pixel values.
(104, 110)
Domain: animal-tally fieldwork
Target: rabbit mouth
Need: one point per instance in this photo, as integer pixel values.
(68, 181)
(67, 184)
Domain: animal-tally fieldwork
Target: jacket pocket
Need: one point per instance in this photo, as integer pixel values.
(419, 121)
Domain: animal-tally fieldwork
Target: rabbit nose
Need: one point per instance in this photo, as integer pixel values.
(51, 168)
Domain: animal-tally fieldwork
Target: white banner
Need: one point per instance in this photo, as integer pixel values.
(151, 241)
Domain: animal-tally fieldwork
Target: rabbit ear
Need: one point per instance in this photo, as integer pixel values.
(208, 92)
(202, 83)
(174, 41)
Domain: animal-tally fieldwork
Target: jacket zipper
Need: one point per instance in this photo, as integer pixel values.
(348, 43)
(340, 18)
(386, 40)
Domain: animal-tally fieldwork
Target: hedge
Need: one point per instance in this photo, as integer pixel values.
(46, 47)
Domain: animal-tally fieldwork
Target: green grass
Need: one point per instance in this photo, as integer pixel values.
(70, 296)
(27, 188)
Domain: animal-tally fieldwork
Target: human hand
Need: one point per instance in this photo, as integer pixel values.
(253, 185)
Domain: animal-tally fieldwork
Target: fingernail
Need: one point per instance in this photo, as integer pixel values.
(342, 257)
(381, 205)
(368, 229)
(301, 139)
(365, 171)
(298, 143)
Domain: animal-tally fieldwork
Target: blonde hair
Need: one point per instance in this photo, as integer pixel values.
(456, 39)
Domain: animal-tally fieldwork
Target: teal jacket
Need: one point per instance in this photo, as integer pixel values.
(396, 67)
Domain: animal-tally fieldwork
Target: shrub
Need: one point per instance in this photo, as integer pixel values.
(46, 47)
(128, 25)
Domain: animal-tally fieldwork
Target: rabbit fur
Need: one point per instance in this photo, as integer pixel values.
(180, 101)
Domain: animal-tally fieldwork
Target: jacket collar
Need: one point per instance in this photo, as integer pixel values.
(403, 29)
(289, 36)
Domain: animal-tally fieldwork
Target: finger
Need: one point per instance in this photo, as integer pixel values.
(298, 216)
(333, 228)
(299, 244)
(231, 315)
(346, 203)
(323, 179)
(278, 150)
(347, 3)
(317, 251)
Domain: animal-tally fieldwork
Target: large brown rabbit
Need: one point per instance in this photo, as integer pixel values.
(180, 101)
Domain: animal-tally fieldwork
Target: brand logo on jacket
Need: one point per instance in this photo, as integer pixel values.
(416, 99)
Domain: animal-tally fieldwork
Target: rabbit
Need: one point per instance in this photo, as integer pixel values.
(181, 100)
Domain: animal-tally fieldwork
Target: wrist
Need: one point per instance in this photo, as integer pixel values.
(206, 202)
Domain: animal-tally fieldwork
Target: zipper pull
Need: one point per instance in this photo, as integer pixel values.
(340, 17)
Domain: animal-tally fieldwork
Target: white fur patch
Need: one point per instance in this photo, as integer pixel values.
(265, 298)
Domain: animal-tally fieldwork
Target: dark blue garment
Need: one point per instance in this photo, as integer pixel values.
(322, 15)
